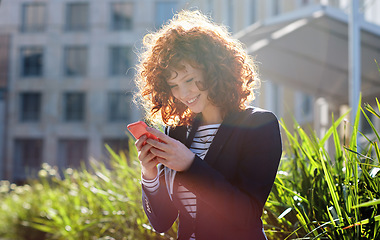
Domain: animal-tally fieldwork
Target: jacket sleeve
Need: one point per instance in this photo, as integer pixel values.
(241, 201)
(158, 207)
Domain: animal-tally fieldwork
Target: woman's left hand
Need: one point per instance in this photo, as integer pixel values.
(170, 152)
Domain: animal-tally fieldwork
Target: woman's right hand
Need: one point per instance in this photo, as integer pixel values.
(148, 161)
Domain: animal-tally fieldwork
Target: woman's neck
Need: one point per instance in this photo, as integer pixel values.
(212, 117)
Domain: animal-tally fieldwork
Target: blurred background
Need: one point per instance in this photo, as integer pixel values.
(66, 69)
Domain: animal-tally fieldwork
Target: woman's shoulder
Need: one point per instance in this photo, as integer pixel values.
(257, 116)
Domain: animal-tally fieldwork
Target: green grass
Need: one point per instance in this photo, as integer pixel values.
(317, 194)
(87, 204)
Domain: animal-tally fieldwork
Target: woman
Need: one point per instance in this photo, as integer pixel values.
(216, 164)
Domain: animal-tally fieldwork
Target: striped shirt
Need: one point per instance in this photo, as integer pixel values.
(200, 145)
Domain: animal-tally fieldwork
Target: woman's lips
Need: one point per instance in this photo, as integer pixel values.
(192, 101)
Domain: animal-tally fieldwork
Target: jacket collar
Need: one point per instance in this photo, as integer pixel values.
(221, 137)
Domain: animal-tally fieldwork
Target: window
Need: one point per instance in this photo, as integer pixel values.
(27, 158)
(305, 2)
(4, 60)
(72, 152)
(2, 95)
(210, 6)
(74, 106)
(273, 97)
(230, 14)
(365, 126)
(119, 106)
(164, 11)
(276, 7)
(307, 105)
(77, 16)
(302, 3)
(31, 61)
(33, 17)
(120, 60)
(253, 12)
(334, 3)
(75, 61)
(122, 16)
(30, 107)
(116, 144)
(273, 7)
(304, 107)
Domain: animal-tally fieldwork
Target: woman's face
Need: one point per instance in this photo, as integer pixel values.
(184, 88)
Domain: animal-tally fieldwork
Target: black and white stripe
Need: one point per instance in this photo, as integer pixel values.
(203, 139)
(201, 143)
(151, 185)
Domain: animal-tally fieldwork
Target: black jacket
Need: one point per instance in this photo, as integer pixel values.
(232, 183)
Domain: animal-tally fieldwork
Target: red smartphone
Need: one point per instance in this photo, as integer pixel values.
(138, 129)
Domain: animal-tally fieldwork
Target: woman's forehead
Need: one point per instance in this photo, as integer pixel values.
(180, 68)
(184, 68)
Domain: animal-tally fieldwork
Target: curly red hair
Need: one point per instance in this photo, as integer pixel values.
(229, 72)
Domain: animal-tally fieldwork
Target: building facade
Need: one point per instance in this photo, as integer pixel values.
(70, 82)
(303, 51)
(66, 73)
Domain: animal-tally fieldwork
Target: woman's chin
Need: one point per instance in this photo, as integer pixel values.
(195, 110)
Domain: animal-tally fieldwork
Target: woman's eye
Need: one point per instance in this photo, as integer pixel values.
(172, 86)
(191, 79)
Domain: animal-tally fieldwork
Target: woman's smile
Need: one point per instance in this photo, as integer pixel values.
(198, 80)
(192, 100)
(184, 87)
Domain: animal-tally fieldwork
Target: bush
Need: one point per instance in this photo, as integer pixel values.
(101, 204)
(316, 195)
(322, 196)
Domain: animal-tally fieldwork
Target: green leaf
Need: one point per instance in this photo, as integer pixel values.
(367, 204)
(289, 190)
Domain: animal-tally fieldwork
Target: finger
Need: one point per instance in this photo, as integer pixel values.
(145, 147)
(147, 159)
(159, 134)
(159, 145)
(150, 159)
(139, 143)
(154, 161)
(145, 150)
(161, 160)
(159, 153)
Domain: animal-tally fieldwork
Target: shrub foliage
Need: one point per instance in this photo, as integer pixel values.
(100, 203)
(317, 194)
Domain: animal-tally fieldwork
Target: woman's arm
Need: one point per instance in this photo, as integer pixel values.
(242, 201)
(158, 206)
(258, 155)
